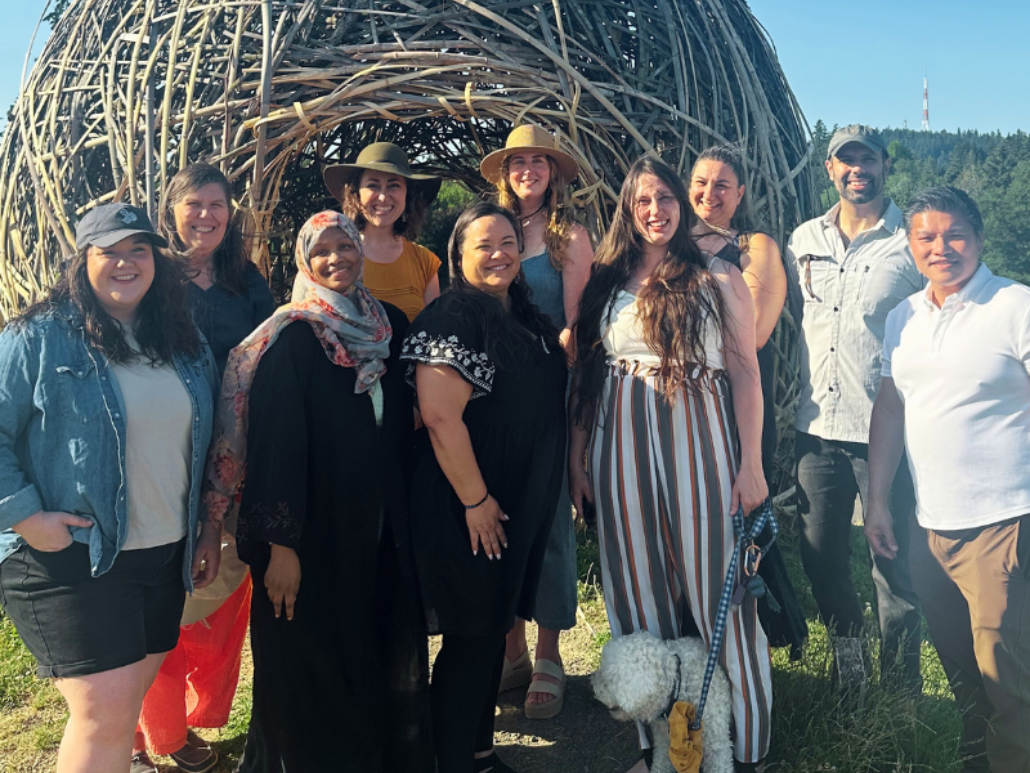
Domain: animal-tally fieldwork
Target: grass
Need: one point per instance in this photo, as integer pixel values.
(813, 731)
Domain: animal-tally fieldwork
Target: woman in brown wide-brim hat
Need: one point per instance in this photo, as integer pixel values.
(388, 202)
(532, 176)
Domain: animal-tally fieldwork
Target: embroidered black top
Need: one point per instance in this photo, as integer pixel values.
(516, 422)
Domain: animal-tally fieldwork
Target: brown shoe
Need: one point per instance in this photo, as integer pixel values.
(141, 763)
(196, 756)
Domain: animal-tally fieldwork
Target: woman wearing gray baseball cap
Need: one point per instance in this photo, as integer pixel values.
(108, 397)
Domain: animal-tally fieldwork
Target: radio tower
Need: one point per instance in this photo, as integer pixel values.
(926, 105)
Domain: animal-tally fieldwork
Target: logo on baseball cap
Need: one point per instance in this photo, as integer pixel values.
(110, 223)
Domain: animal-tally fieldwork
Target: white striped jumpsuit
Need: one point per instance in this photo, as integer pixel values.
(662, 474)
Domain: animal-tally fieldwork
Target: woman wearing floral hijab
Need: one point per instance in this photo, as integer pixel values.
(319, 418)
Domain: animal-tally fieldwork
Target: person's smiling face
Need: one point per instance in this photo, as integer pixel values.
(201, 218)
(121, 275)
(529, 174)
(715, 192)
(383, 197)
(858, 173)
(335, 260)
(946, 249)
(656, 211)
(490, 255)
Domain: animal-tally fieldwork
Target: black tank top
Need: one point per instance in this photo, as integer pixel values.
(766, 366)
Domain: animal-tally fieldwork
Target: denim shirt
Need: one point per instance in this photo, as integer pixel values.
(62, 434)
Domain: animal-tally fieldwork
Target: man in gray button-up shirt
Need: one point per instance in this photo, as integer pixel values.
(853, 266)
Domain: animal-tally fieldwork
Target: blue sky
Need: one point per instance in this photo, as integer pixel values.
(846, 62)
(864, 62)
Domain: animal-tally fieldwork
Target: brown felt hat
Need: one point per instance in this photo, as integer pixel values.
(381, 157)
(529, 138)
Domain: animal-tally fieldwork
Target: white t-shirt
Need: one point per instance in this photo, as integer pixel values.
(963, 373)
(158, 447)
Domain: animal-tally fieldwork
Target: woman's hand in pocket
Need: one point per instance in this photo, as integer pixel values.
(49, 532)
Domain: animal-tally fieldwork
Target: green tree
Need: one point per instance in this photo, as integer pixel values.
(56, 11)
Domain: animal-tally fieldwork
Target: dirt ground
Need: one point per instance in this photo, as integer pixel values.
(582, 739)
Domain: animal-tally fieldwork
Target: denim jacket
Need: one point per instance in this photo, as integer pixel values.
(62, 434)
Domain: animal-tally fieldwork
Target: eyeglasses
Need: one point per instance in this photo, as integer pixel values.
(808, 274)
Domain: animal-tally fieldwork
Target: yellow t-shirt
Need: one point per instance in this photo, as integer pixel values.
(403, 282)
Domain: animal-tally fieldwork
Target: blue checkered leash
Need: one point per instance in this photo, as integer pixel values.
(762, 519)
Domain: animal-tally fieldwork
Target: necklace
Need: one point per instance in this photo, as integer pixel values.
(725, 233)
(524, 219)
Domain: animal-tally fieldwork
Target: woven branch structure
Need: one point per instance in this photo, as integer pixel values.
(128, 91)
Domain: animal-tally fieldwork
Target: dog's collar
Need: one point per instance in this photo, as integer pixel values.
(675, 688)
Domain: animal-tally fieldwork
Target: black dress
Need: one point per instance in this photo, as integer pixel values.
(786, 627)
(516, 422)
(322, 479)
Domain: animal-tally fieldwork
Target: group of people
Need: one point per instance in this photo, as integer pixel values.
(406, 462)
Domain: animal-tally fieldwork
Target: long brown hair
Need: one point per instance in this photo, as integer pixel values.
(675, 304)
(408, 225)
(229, 262)
(560, 221)
(163, 326)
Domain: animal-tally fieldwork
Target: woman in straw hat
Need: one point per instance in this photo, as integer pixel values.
(532, 176)
(388, 202)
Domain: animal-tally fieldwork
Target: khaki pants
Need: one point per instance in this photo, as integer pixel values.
(974, 585)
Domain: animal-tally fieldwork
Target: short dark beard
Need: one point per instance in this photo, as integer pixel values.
(864, 197)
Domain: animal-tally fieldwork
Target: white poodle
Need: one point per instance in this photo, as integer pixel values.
(637, 678)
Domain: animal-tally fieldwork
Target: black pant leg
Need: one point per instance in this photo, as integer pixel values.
(463, 690)
(898, 610)
(485, 734)
(826, 501)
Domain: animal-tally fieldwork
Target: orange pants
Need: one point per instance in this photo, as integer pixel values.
(197, 680)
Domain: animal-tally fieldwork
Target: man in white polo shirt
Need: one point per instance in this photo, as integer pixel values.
(955, 395)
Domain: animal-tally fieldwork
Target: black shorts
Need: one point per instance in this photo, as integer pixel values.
(75, 624)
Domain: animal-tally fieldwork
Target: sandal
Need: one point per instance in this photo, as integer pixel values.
(516, 673)
(552, 707)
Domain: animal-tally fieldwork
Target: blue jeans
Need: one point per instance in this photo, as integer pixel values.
(830, 475)
(556, 596)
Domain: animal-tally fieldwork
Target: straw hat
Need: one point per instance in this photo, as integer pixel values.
(381, 157)
(529, 138)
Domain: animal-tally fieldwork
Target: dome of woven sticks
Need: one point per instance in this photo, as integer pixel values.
(127, 91)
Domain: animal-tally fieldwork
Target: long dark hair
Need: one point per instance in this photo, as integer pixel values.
(675, 304)
(229, 262)
(163, 326)
(408, 225)
(507, 336)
